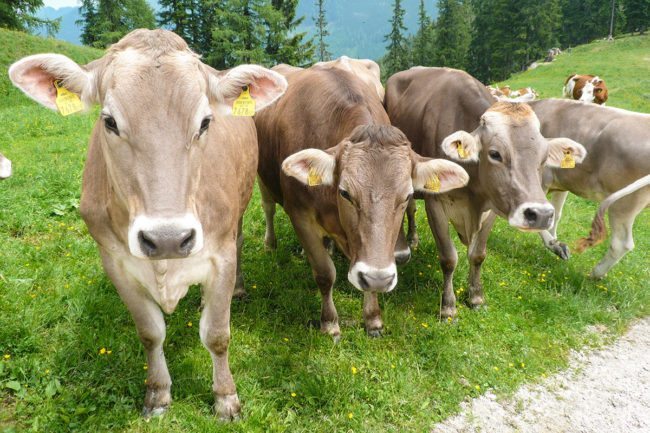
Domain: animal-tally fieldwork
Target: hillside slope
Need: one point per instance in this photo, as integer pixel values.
(16, 45)
(624, 64)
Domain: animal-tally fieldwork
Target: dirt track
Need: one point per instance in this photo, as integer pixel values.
(604, 391)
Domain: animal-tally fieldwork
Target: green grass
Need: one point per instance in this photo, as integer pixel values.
(59, 309)
(623, 64)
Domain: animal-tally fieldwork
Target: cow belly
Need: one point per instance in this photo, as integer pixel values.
(167, 281)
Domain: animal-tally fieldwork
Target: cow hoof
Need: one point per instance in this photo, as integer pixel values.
(476, 302)
(331, 328)
(374, 333)
(413, 241)
(227, 407)
(447, 313)
(561, 250)
(156, 401)
(597, 275)
(239, 293)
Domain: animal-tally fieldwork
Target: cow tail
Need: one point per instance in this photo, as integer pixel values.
(598, 231)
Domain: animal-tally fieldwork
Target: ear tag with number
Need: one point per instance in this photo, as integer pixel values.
(314, 179)
(461, 150)
(66, 101)
(244, 105)
(568, 161)
(433, 184)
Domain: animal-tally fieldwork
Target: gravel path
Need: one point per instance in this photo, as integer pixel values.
(604, 391)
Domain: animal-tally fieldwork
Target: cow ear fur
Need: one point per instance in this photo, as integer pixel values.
(559, 148)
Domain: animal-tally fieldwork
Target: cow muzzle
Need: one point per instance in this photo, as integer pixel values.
(5, 167)
(532, 217)
(165, 238)
(370, 279)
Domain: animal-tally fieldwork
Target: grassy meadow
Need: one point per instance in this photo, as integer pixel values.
(70, 359)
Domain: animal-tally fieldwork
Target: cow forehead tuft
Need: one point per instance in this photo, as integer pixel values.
(155, 43)
(512, 109)
(379, 136)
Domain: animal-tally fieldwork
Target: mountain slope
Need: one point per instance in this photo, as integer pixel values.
(624, 64)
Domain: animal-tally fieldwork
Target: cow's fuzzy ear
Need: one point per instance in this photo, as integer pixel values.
(264, 86)
(437, 175)
(312, 167)
(564, 152)
(35, 75)
(461, 146)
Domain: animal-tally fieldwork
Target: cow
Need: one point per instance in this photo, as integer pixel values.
(525, 94)
(585, 88)
(5, 167)
(167, 178)
(618, 155)
(504, 156)
(331, 159)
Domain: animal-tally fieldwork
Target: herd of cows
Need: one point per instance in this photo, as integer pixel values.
(170, 173)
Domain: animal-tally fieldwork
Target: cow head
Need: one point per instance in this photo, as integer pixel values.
(594, 91)
(157, 104)
(5, 167)
(511, 153)
(366, 70)
(373, 173)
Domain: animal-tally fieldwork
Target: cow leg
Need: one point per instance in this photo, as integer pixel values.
(240, 291)
(550, 236)
(621, 220)
(412, 234)
(322, 268)
(214, 330)
(447, 252)
(476, 255)
(150, 325)
(268, 204)
(372, 314)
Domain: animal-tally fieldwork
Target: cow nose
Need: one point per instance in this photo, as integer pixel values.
(376, 280)
(167, 244)
(539, 217)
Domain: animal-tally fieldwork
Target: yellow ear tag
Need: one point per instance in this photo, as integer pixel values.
(568, 161)
(244, 105)
(433, 184)
(314, 179)
(461, 150)
(66, 101)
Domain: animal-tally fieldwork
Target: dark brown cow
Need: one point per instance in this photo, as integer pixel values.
(166, 182)
(618, 146)
(329, 156)
(504, 155)
(585, 88)
(5, 167)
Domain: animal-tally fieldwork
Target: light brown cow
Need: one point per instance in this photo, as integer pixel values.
(618, 146)
(166, 182)
(504, 155)
(329, 156)
(5, 167)
(586, 88)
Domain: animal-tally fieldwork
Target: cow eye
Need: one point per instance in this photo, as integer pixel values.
(111, 124)
(496, 156)
(205, 124)
(346, 195)
(598, 90)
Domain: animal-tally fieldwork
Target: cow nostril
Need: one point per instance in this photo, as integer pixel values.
(189, 240)
(530, 215)
(362, 281)
(148, 245)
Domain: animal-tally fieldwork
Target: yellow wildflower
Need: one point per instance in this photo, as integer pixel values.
(293, 394)
(350, 416)
(189, 324)
(102, 351)
(424, 324)
(7, 356)
(354, 370)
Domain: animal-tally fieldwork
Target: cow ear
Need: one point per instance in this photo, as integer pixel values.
(312, 167)
(461, 146)
(437, 175)
(264, 85)
(564, 152)
(35, 75)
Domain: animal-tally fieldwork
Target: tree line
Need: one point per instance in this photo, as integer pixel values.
(491, 39)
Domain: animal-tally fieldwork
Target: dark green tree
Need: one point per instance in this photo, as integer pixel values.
(20, 15)
(322, 48)
(422, 43)
(397, 56)
(284, 44)
(637, 13)
(104, 22)
(453, 33)
(586, 20)
(183, 18)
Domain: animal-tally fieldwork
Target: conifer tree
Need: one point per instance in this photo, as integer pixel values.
(423, 39)
(21, 15)
(637, 13)
(104, 22)
(397, 57)
(284, 43)
(322, 48)
(453, 33)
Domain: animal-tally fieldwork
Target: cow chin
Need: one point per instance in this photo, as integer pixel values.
(5, 168)
(165, 238)
(370, 279)
(532, 217)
